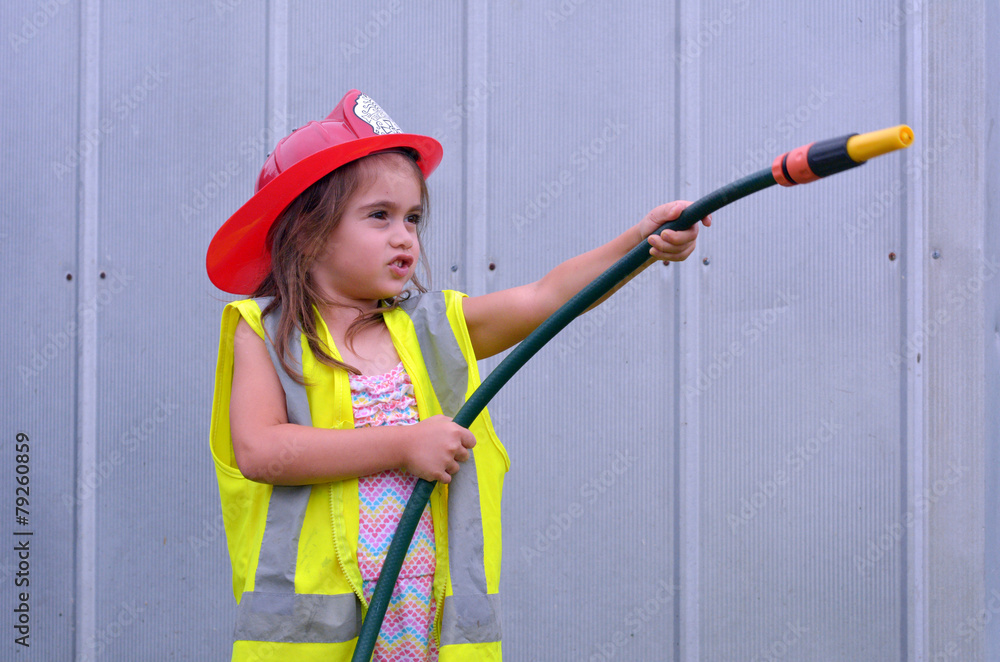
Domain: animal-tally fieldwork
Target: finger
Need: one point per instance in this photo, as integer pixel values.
(667, 258)
(469, 440)
(684, 255)
(674, 242)
(664, 251)
(673, 253)
(682, 236)
(679, 236)
(666, 212)
(663, 244)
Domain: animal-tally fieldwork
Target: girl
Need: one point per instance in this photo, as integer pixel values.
(335, 389)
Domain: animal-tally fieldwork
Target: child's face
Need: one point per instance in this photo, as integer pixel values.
(372, 253)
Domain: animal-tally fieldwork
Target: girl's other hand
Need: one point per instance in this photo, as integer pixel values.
(670, 245)
(436, 448)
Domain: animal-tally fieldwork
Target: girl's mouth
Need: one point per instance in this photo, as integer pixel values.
(401, 265)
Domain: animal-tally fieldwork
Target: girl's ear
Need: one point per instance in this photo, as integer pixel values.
(310, 244)
(305, 248)
(307, 254)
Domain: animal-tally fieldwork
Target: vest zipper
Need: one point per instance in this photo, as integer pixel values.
(438, 618)
(339, 554)
(439, 594)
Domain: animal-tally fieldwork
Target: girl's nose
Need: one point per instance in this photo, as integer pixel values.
(402, 236)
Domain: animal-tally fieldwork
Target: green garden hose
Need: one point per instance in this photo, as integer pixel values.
(799, 166)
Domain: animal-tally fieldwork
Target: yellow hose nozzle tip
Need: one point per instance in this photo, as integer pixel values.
(905, 135)
(865, 146)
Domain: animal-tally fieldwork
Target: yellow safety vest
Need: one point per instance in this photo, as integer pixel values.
(294, 549)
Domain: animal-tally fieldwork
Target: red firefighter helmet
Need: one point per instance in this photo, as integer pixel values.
(238, 256)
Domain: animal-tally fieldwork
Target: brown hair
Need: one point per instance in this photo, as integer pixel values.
(299, 235)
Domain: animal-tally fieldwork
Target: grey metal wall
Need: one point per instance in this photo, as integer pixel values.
(785, 448)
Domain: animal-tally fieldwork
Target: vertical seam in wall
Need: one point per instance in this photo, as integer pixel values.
(88, 200)
(475, 190)
(688, 315)
(277, 68)
(990, 302)
(912, 448)
(679, 620)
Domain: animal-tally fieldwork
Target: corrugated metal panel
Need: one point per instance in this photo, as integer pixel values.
(184, 144)
(590, 517)
(768, 450)
(801, 305)
(40, 331)
(953, 339)
(991, 331)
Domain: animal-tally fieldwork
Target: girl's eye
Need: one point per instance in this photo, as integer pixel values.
(413, 218)
(378, 214)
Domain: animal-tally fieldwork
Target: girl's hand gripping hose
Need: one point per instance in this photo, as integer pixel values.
(799, 166)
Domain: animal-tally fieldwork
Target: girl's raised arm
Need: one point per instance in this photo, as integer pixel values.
(269, 449)
(501, 319)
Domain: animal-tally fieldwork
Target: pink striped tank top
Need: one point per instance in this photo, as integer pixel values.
(408, 629)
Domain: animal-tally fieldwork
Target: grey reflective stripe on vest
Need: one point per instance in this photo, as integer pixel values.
(298, 618)
(273, 611)
(443, 358)
(470, 615)
(295, 394)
